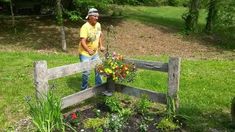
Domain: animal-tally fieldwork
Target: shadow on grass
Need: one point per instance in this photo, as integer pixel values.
(207, 120)
(75, 83)
(171, 23)
(44, 33)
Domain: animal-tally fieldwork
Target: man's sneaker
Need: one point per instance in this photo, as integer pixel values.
(107, 93)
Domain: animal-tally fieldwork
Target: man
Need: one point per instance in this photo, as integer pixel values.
(90, 43)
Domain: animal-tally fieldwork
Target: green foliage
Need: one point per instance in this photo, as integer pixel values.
(46, 114)
(82, 6)
(167, 124)
(114, 123)
(97, 112)
(172, 2)
(143, 105)
(95, 123)
(113, 103)
(226, 13)
(73, 15)
(170, 108)
(225, 23)
(178, 2)
(191, 17)
(125, 113)
(117, 121)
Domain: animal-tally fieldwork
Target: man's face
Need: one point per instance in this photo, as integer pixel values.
(93, 19)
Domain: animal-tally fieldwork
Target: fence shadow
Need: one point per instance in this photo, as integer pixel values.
(75, 83)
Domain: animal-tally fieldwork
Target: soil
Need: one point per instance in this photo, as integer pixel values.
(130, 38)
(132, 125)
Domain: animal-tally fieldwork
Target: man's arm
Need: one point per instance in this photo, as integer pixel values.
(101, 47)
(85, 47)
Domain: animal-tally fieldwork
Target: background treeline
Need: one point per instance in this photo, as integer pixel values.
(220, 20)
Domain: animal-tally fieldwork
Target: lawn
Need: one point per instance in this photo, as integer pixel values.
(206, 87)
(164, 15)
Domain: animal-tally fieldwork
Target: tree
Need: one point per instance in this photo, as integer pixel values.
(59, 17)
(212, 12)
(191, 17)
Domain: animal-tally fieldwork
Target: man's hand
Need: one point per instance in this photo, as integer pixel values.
(102, 48)
(90, 52)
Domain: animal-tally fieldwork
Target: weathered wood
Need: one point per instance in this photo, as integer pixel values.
(156, 66)
(173, 79)
(82, 95)
(71, 69)
(137, 92)
(40, 78)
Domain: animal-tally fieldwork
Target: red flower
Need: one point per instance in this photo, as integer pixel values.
(74, 116)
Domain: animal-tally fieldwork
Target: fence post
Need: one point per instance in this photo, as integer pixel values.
(40, 78)
(173, 79)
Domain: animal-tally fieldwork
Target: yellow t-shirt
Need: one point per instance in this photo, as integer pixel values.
(92, 35)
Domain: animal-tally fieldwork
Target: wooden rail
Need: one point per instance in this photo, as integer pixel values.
(42, 75)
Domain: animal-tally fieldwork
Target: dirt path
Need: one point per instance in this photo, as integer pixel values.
(134, 38)
(131, 39)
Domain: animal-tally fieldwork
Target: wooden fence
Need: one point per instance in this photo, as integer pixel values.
(42, 75)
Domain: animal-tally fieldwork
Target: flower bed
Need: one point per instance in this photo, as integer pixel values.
(122, 113)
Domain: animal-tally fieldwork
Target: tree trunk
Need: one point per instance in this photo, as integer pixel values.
(60, 21)
(191, 19)
(12, 17)
(63, 40)
(233, 111)
(211, 16)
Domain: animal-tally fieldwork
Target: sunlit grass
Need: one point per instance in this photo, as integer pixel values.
(206, 87)
(163, 15)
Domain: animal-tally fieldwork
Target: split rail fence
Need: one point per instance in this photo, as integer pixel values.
(42, 75)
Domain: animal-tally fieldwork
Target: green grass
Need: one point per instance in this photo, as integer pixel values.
(206, 87)
(163, 15)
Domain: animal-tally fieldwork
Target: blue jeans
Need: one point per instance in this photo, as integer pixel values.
(85, 74)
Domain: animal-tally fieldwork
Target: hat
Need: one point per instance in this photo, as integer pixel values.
(91, 12)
